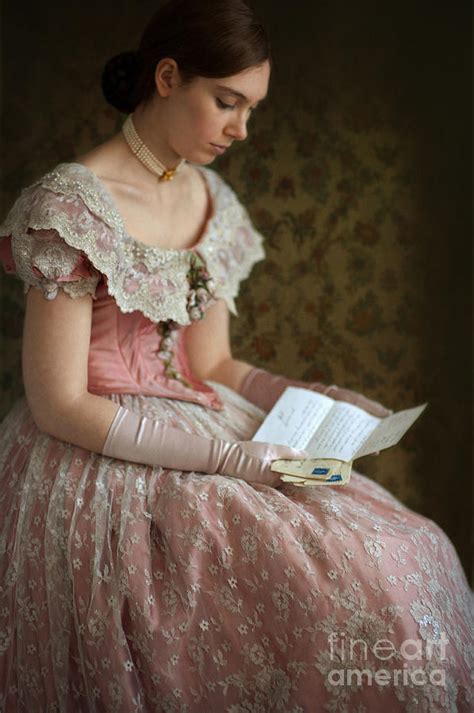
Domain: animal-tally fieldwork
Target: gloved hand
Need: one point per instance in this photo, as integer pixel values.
(251, 460)
(263, 389)
(353, 397)
(143, 440)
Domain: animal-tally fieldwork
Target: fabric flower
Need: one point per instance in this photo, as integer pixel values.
(201, 288)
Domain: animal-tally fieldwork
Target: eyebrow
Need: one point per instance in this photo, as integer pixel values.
(236, 93)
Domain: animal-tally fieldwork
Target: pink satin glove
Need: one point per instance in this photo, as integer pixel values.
(263, 389)
(251, 461)
(136, 438)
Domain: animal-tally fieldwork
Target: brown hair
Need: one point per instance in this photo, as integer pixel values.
(206, 38)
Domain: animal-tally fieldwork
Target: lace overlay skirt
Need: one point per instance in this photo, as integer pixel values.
(125, 587)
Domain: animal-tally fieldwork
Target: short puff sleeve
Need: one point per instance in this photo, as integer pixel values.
(40, 256)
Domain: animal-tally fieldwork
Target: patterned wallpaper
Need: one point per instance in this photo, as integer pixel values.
(354, 171)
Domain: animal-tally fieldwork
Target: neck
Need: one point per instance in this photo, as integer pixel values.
(150, 128)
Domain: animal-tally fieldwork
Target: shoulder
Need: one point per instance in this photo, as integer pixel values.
(72, 192)
(65, 179)
(54, 227)
(41, 242)
(226, 198)
(66, 201)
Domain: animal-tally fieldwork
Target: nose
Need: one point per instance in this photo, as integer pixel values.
(237, 127)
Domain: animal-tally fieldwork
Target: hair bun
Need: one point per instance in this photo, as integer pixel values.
(119, 80)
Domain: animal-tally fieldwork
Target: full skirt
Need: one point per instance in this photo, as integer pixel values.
(128, 588)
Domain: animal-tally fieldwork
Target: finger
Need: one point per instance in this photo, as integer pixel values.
(378, 410)
(345, 395)
(287, 453)
(295, 453)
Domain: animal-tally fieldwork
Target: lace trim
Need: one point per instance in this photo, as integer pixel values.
(71, 200)
(55, 260)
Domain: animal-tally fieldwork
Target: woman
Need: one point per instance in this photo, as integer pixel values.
(151, 560)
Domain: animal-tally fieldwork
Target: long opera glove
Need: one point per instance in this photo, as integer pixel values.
(136, 438)
(263, 389)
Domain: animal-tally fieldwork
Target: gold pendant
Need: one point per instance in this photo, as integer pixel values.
(168, 175)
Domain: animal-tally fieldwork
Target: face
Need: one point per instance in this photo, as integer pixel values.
(211, 113)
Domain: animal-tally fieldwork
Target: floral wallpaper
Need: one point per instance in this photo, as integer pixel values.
(353, 170)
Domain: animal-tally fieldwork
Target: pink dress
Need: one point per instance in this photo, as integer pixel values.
(129, 588)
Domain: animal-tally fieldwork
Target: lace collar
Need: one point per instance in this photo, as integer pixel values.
(152, 279)
(91, 180)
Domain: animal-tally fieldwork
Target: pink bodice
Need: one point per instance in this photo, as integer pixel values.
(125, 356)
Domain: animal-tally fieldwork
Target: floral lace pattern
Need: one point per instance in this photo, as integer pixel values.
(72, 201)
(126, 588)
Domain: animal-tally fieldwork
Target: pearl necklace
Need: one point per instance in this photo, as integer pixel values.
(144, 154)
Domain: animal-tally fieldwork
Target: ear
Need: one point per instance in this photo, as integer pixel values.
(166, 76)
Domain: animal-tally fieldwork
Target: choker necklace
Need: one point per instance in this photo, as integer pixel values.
(144, 154)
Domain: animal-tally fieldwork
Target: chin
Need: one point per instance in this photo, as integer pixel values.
(200, 160)
(201, 156)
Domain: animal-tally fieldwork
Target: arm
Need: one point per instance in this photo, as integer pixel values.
(55, 353)
(55, 356)
(56, 339)
(209, 350)
(210, 356)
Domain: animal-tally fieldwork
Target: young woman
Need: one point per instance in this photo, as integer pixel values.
(151, 560)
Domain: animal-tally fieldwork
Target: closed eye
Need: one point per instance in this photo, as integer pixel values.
(223, 105)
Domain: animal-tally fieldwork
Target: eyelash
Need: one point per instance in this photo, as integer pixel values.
(222, 105)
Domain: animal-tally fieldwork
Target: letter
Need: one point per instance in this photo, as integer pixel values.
(382, 677)
(361, 641)
(331, 639)
(405, 674)
(429, 649)
(358, 673)
(340, 674)
(414, 675)
(396, 673)
(438, 672)
(377, 645)
(443, 640)
(343, 646)
(418, 653)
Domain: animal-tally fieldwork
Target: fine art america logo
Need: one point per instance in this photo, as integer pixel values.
(349, 656)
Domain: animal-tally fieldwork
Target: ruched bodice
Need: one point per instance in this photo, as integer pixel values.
(127, 355)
